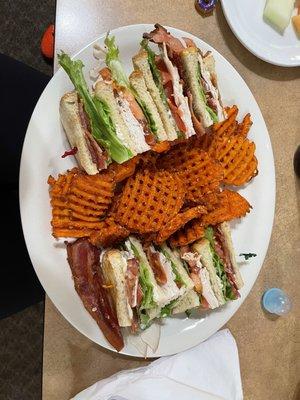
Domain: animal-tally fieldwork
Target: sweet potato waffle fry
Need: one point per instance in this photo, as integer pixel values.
(231, 205)
(120, 172)
(149, 200)
(221, 127)
(191, 232)
(145, 195)
(236, 155)
(79, 201)
(200, 172)
(178, 221)
(109, 234)
(230, 125)
(244, 127)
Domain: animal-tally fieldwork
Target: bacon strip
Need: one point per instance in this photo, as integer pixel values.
(98, 156)
(131, 280)
(168, 88)
(197, 124)
(158, 269)
(160, 35)
(83, 259)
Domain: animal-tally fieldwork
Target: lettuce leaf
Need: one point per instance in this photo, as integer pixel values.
(166, 311)
(102, 127)
(219, 266)
(113, 62)
(155, 71)
(212, 114)
(145, 282)
(148, 115)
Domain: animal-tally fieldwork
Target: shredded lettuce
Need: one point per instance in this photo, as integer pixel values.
(155, 71)
(113, 62)
(219, 266)
(102, 127)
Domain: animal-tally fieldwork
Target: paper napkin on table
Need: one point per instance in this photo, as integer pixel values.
(209, 371)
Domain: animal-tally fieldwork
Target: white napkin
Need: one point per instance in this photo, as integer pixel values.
(209, 371)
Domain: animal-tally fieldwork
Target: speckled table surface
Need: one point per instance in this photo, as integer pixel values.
(267, 346)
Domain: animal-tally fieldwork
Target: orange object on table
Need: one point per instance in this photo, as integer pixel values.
(47, 43)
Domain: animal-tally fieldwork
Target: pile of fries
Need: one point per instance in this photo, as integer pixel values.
(169, 196)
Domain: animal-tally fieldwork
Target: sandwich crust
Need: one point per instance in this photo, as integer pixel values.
(114, 267)
(191, 69)
(70, 118)
(228, 241)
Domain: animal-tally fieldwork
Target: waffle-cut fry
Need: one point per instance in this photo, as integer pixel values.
(71, 233)
(89, 207)
(192, 231)
(161, 147)
(67, 223)
(120, 172)
(230, 126)
(148, 159)
(79, 201)
(60, 186)
(226, 124)
(177, 222)
(149, 200)
(202, 142)
(223, 125)
(98, 188)
(201, 173)
(232, 205)
(236, 155)
(232, 129)
(110, 234)
(244, 127)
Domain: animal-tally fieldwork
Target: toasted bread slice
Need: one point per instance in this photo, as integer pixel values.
(188, 301)
(202, 247)
(191, 69)
(140, 63)
(138, 83)
(104, 92)
(225, 228)
(114, 267)
(70, 118)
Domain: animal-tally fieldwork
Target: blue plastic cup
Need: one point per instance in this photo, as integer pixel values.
(275, 301)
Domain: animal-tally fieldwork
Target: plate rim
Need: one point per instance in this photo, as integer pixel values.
(241, 39)
(270, 227)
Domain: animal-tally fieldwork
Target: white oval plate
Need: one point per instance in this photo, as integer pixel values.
(245, 18)
(44, 144)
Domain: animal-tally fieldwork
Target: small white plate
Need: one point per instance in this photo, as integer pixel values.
(44, 144)
(245, 18)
